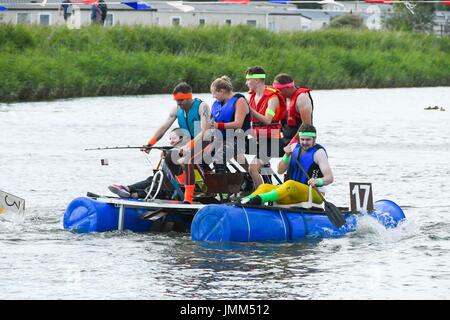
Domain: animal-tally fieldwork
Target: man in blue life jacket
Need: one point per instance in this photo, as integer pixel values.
(193, 116)
(314, 160)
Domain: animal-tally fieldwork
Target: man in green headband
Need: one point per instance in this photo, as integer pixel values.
(314, 160)
(267, 108)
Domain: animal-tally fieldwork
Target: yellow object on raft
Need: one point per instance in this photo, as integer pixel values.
(290, 192)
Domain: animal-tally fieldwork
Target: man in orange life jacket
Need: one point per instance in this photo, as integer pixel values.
(193, 116)
(268, 107)
(300, 109)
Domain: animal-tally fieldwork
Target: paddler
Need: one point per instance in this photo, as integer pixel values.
(314, 160)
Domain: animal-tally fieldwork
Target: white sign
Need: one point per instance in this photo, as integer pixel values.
(11, 203)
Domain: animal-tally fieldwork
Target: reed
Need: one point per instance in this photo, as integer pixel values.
(41, 63)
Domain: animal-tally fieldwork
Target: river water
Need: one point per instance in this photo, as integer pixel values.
(380, 136)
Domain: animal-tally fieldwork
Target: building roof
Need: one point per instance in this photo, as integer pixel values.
(356, 6)
(320, 14)
(255, 8)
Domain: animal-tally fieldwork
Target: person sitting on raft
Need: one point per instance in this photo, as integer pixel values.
(314, 160)
(230, 114)
(138, 190)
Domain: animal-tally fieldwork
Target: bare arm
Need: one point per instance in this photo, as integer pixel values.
(304, 108)
(321, 159)
(267, 118)
(205, 116)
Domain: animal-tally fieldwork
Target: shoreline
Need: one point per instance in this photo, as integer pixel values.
(52, 63)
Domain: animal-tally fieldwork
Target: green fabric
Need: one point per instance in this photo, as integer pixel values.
(255, 76)
(250, 196)
(319, 182)
(286, 158)
(270, 196)
(270, 112)
(307, 134)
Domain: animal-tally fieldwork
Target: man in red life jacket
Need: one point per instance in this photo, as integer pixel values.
(299, 110)
(268, 107)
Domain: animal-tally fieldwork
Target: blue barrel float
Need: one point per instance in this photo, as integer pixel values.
(236, 223)
(89, 215)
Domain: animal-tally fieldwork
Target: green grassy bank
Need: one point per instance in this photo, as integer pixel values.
(47, 63)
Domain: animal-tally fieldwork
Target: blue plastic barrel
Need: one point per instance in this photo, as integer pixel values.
(388, 213)
(88, 215)
(235, 223)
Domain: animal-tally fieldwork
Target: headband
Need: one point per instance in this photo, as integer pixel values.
(255, 76)
(307, 134)
(281, 86)
(182, 96)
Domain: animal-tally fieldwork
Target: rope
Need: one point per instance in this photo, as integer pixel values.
(158, 174)
(284, 225)
(248, 223)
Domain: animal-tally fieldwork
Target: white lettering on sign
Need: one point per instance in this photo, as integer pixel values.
(361, 198)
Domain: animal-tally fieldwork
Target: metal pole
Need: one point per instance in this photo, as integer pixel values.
(121, 217)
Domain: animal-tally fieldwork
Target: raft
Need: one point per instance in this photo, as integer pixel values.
(216, 222)
(244, 223)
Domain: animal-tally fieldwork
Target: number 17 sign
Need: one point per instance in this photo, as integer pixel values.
(361, 198)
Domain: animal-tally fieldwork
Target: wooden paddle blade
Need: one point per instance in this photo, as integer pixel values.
(335, 216)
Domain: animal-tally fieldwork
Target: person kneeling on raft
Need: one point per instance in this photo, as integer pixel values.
(314, 160)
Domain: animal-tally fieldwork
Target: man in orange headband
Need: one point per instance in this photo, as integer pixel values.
(193, 116)
(300, 107)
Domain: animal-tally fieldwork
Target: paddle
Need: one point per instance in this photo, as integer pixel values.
(331, 210)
